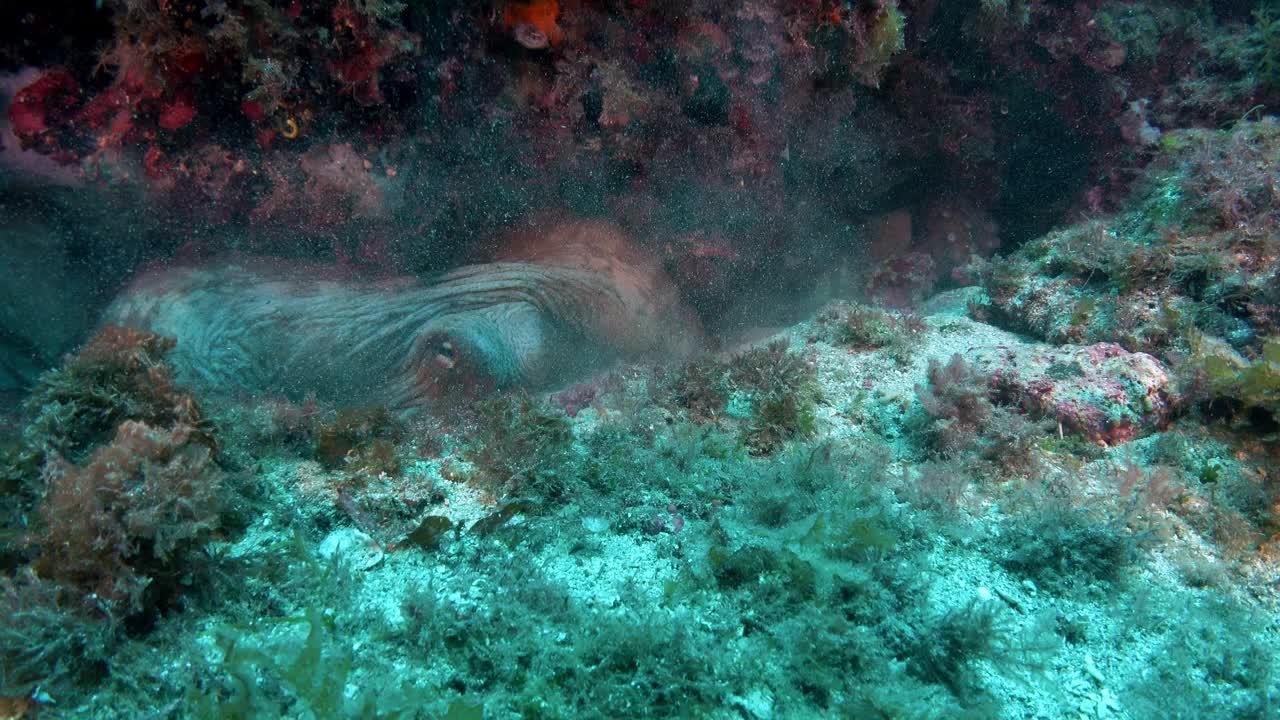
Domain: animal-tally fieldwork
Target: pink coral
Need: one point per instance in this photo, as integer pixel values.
(41, 105)
(41, 111)
(363, 50)
(330, 185)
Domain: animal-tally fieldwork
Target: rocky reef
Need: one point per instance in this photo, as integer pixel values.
(577, 359)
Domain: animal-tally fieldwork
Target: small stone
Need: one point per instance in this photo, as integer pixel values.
(758, 703)
(352, 547)
(595, 524)
(1092, 670)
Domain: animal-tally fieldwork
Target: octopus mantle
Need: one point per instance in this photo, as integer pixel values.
(551, 309)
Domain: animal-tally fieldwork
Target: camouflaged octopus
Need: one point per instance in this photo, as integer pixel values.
(552, 307)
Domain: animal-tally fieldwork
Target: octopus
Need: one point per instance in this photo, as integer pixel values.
(533, 24)
(553, 306)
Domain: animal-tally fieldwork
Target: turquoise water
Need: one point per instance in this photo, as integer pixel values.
(778, 359)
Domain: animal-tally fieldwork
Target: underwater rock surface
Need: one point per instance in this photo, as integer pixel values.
(1103, 392)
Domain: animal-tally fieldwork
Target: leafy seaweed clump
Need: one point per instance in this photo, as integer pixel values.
(294, 675)
(129, 526)
(862, 327)
(111, 493)
(783, 391)
(1215, 371)
(792, 486)
(963, 417)
(48, 638)
(521, 446)
(121, 374)
(360, 439)
(769, 392)
(1267, 24)
(699, 388)
(636, 463)
(1065, 550)
(530, 649)
(945, 653)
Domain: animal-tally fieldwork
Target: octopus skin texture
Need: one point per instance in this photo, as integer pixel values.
(552, 307)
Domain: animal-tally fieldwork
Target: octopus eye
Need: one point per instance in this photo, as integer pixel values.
(446, 355)
(530, 36)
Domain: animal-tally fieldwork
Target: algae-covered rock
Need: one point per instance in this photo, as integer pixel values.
(1102, 392)
(1194, 250)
